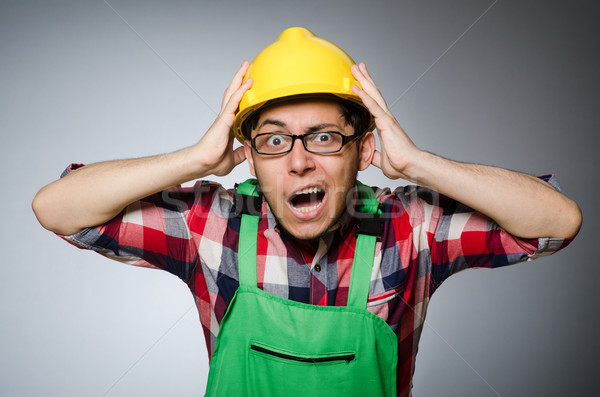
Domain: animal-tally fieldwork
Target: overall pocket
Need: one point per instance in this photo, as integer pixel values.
(303, 358)
(277, 372)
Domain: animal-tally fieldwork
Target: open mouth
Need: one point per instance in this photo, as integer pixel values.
(308, 199)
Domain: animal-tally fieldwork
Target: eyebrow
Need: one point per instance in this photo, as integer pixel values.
(320, 127)
(281, 124)
(271, 121)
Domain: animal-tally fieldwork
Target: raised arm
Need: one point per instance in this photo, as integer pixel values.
(96, 193)
(523, 205)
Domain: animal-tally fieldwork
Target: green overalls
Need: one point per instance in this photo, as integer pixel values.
(271, 346)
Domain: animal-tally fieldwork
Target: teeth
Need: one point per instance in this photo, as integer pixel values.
(307, 209)
(308, 190)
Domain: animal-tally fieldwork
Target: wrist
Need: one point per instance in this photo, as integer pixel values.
(417, 166)
(194, 163)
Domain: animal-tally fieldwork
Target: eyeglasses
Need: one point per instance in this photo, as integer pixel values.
(323, 142)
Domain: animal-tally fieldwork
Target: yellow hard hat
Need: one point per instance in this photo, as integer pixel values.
(297, 63)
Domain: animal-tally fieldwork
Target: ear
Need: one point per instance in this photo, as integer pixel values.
(366, 151)
(249, 158)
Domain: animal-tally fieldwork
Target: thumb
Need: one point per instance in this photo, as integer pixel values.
(239, 155)
(376, 161)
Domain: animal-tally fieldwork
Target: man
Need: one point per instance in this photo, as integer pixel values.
(317, 248)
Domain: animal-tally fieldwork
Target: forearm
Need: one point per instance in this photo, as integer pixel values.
(94, 194)
(521, 204)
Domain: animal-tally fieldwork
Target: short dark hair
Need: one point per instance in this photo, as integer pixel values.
(354, 114)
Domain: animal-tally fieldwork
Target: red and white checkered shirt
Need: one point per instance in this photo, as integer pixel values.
(192, 233)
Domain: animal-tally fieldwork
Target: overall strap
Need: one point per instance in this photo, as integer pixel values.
(369, 228)
(369, 223)
(248, 202)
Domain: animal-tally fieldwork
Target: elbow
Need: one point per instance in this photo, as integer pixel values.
(576, 220)
(571, 220)
(42, 210)
(47, 215)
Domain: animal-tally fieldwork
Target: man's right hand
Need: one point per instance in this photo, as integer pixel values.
(96, 193)
(215, 149)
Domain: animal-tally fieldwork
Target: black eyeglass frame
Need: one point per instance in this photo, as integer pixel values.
(345, 140)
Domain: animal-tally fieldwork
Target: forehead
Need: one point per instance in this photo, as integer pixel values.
(302, 114)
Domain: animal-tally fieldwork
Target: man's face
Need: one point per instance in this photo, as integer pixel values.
(306, 191)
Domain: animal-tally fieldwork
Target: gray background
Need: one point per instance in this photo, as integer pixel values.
(81, 81)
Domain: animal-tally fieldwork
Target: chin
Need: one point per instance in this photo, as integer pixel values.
(305, 236)
(306, 233)
(300, 234)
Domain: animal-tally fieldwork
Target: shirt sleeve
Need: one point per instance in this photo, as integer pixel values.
(153, 232)
(459, 237)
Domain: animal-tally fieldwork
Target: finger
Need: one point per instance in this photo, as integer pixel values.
(371, 104)
(235, 82)
(239, 76)
(373, 90)
(363, 68)
(235, 98)
(360, 71)
(368, 85)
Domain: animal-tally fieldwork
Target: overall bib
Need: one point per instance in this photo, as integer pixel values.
(271, 346)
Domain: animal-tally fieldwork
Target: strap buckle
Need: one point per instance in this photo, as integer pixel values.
(245, 204)
(370, 224)
(369, 216)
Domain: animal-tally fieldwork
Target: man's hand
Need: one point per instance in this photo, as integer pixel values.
(397, 150)
(523, 205)
(215, 149)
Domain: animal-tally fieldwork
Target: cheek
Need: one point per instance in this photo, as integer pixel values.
(270, 181)
(343, 175)
(342, 170)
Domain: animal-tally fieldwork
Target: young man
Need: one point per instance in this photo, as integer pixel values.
(305, 112)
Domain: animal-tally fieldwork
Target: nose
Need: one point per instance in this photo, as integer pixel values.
(299, 160)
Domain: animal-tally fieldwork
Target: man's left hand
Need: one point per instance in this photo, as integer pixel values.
(397, 152)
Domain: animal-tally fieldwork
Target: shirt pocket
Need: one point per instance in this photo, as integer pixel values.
(385, 297)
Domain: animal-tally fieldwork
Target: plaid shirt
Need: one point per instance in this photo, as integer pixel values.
(192, 233)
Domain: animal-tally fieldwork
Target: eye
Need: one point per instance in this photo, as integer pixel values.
(275, 140)
(323, 137)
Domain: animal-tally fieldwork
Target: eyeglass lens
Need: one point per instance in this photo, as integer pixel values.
(317, 142)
